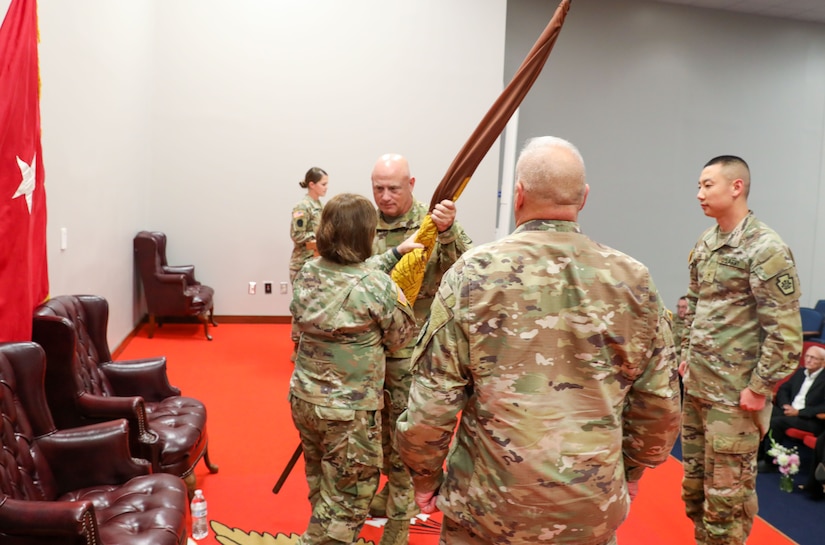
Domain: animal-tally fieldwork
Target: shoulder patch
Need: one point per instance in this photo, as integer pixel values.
(298, 214)
(785, 283)
(401, 297)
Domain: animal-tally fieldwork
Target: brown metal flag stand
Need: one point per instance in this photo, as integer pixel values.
(409, 272)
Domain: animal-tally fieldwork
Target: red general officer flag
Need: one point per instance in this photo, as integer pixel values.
(24, 281)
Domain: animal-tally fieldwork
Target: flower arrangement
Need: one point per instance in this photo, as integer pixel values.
(787, 459)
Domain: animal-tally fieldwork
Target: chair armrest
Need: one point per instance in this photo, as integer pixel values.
(170, 292)
(146, 378)
(97, 454)
(102, 408)
(171, 278)
(186, 270)
(67, 522)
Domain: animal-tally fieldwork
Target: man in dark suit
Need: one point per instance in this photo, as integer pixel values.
(798, 402)
(815, 484)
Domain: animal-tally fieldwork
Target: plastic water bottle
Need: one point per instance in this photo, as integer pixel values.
(198, 510)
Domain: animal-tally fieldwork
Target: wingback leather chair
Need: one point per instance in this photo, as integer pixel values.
(83, 386)
(79, 486)
(170, 290)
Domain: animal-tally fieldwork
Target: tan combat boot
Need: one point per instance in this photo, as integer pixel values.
(378, 505)
(396, 532)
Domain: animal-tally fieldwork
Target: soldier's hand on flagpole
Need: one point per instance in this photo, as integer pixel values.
(443, 215)
(409, 245)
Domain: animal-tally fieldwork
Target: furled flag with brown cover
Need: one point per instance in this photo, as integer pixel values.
(409, 272)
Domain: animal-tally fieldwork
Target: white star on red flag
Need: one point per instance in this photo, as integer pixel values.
(26, 187)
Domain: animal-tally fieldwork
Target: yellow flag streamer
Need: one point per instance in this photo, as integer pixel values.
(409, 272)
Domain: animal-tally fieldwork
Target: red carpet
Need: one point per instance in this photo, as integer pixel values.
(243, 378)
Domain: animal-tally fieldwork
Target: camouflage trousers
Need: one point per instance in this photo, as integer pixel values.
(453, 533)
(397, 382)
(294, 334)
(719, 447)
(342, 452)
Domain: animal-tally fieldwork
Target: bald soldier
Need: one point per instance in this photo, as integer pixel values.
(557, 353)
(399, 217)
(744, 335)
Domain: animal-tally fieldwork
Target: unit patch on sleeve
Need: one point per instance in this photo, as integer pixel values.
(785, 283)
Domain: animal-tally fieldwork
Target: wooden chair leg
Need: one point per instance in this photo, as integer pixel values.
(191, 483)
(205, 320)
(212, 467)
(151, 325)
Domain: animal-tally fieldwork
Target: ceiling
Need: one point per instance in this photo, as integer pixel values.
(802, 10)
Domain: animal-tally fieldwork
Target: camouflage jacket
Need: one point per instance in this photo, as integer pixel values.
(305, 218)
(557, 352)
(678, 327)
(745, 329)
(450, 245)
(347, 315)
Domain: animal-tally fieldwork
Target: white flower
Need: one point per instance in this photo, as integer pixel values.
(786, 458)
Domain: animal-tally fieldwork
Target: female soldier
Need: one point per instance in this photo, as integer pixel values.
(305, 217)
(348, 313)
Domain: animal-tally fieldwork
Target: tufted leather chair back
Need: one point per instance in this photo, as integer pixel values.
(23, 473)
(79, 486)
(71, 331)
(84, 385)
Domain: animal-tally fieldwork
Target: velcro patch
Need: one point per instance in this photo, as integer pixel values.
(298, 214)
(733, 262)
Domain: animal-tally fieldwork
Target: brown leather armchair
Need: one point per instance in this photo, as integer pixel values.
(78, 486)
(83, 385)
(170, 290)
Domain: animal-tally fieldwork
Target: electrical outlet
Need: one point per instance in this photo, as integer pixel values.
(284, 287)
(268, 288)
(252, 288)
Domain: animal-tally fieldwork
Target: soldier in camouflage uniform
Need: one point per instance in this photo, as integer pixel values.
(305, 218)
(348, 314)
(557, 352)
(678, 324)
(400, 216)
(745, 334)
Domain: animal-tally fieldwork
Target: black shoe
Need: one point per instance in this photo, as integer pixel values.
(764, 466)
(819, 474)
(815, 493)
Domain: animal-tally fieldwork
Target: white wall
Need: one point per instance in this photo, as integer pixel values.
(96, 65)
(649, 92)
(250, 94)
(199, 117)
